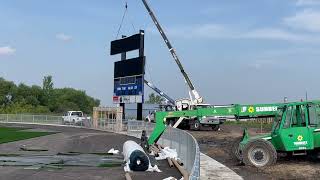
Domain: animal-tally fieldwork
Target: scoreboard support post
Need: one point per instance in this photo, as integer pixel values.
(123, 105)
(141, 54)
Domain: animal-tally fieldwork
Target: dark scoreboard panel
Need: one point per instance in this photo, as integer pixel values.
(129, 80)
(130, 67)
(126, 44)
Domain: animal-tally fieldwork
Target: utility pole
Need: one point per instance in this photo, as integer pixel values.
(306, 95)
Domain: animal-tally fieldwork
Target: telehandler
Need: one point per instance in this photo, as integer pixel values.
(295, 131)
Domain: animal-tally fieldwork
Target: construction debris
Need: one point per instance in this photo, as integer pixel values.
(128, 177)
(167, 153)
(113, 151)
(32, 148)
(170, 178)
(169, 162)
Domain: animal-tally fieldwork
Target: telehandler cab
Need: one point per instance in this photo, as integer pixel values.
(295, 131)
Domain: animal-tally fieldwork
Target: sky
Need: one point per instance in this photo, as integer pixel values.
(245, 51)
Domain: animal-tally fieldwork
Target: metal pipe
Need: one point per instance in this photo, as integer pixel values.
(155, 148)
(183, 172)
(128, 177)
(170, 162)
(179, 162)
(160, 146)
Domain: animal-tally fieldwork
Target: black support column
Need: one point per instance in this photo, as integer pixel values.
(123, 105)
(141, 54)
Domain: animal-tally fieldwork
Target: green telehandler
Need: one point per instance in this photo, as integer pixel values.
(295, 131)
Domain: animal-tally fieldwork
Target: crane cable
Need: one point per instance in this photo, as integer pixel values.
(123, 16)
(119, 29)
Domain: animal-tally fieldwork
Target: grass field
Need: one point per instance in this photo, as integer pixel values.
(8, 134)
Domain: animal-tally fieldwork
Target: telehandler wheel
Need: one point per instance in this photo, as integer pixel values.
(259, 153)
(236, 151)
(314, 155)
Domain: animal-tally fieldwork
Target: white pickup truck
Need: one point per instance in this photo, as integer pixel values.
(74, 117)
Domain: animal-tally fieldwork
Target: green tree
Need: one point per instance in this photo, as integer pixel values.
(7, 92)
(47, 84)
(47, 87)
(45, 99)
(155, 99)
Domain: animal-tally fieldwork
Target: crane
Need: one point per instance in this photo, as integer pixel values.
(169, 100)
(192, 91)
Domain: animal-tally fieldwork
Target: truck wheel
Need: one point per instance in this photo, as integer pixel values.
(196, 125)
(236, 151)
(259, 153)
(215, 127)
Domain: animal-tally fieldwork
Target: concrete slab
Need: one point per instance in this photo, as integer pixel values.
(212, 169)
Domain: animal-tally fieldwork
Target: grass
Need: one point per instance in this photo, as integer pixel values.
(11, 134)
(72, 153)
(9, 155)
(110, 165)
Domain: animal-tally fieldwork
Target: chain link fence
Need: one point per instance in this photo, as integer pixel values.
(184, 143)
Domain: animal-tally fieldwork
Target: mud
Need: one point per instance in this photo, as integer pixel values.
(218, 144)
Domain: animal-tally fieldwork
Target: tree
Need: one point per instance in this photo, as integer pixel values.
(45, 99)
(47, 83)
(7, 92)
(155, 99)
(47, 87)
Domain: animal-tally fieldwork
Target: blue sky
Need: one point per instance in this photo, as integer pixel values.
(235, 51)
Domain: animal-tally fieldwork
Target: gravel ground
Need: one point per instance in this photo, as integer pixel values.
(75, 140)
(218, 146)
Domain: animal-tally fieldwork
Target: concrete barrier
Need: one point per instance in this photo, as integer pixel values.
(187, 149)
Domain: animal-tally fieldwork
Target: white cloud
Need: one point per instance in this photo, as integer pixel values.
(7, 50)
(194, 31)
(216, 31)
(307, 19)
(273, 34)
(307, 2)
(63, 37)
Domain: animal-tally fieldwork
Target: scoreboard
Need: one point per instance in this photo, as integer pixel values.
(129, 81)
(129, 73)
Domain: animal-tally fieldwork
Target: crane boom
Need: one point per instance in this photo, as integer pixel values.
(197, 97)
(170, 100)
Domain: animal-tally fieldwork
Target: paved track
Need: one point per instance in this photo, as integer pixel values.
(75, 140)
